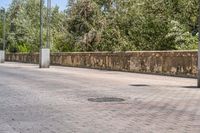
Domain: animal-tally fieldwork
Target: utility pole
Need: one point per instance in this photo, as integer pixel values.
(2, 52)
(44, 52)
(41, 24)
(48, 23)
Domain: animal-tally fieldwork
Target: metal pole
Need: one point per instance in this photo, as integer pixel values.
(4, 29)
(48, 23)
(41, 23)
(44, 52)
(198, 76)
(2, 52)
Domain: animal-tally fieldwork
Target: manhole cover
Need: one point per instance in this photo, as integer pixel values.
(139, 85)
(106, 99)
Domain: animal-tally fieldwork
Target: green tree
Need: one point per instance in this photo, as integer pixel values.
(85, 24)
(106, 25)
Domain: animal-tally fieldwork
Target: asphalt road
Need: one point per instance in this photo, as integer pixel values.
(55, 100)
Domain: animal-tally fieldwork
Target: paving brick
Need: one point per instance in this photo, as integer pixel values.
(55, 100)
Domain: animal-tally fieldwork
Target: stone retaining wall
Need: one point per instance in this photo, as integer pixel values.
(177, 63)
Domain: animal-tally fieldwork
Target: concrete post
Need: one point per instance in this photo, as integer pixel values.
(198, 68)
(2, 56)
(44, 58)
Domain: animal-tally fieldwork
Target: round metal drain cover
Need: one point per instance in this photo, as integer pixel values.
(106, 99)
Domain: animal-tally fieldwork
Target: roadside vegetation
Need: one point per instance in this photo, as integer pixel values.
(105, 25)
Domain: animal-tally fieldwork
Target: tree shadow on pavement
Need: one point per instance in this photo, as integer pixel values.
(146, 85)
(139, 85)
(191, 87)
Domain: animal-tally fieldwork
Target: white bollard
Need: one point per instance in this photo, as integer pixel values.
(2, 56)
(44, 58)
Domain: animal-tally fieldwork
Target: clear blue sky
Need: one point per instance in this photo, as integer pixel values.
(61, 3)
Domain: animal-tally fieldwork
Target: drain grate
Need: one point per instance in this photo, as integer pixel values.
(106, 99)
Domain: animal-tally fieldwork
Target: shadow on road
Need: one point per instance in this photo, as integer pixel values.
(171, 86)
(191, 87)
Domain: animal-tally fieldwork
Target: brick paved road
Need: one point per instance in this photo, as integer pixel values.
(56, 101)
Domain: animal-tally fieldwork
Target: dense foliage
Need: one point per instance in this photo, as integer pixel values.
(105, 25)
